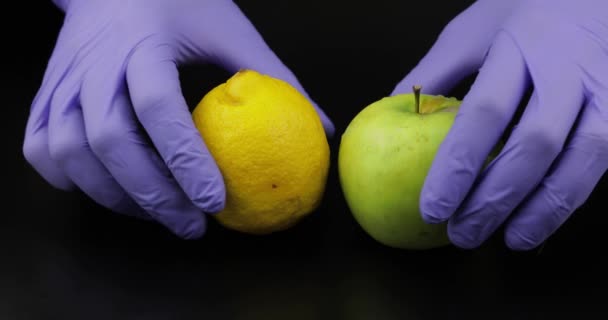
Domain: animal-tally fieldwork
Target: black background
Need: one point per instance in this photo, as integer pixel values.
(64, 257)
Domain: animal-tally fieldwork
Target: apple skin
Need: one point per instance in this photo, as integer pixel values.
(384, 157)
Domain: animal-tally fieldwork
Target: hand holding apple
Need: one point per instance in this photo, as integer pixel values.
(558, 150)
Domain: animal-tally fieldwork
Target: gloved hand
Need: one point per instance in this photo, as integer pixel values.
(110, 117)
(558, 150)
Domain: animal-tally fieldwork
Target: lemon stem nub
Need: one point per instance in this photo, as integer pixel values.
(417, 98)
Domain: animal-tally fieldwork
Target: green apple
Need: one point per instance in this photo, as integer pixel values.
(384, 157)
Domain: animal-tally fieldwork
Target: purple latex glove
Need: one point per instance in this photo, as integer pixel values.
(110, 118)
(557, 152)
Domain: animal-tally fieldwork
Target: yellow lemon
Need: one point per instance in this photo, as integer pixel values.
(270, 146)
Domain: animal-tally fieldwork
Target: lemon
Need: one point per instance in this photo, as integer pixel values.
(270, 146)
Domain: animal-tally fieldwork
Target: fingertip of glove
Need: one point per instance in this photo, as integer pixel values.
(462, 241)
(330, 129)
(63, 184)
(193, 230)
(430, 213)
(431, 218)
(211, 202)
(517, 241)
(54, 177)
(210, 195)
(435, 207)
(216, 206)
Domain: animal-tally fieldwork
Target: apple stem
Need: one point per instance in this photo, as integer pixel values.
(417, 90)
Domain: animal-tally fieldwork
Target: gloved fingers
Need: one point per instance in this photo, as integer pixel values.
(117, 141)
(36, 140)
(156, 95)
(242, 47)
(69, 149)
(483, 116)
(576, 173)
(521, 165)
(36, 152)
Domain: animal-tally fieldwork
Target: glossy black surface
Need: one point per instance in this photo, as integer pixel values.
(64, 257)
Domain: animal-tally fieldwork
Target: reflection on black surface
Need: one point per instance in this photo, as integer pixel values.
(96, 265)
